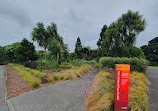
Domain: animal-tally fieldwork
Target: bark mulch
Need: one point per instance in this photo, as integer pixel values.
(16, 85)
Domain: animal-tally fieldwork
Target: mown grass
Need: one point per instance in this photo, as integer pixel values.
(26, 76)
(101, 97)
(155, 67)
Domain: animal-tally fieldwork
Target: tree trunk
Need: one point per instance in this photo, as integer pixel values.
(45, 52)
(57, 58)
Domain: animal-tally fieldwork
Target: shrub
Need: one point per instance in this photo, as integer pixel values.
(58, 69)
(135, 63)
(133, 52)
(65, 66)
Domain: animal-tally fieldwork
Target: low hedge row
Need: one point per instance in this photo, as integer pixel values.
(137, 64)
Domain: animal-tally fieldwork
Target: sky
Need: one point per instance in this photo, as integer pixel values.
(74, 18)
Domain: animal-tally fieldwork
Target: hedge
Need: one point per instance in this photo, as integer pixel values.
(137, 64)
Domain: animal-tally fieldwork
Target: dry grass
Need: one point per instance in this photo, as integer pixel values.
(75, 72)
(101, 94)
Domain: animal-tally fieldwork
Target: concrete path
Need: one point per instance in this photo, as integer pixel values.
(2, 86)
(152, 75)
(64, 96)
(3, 106)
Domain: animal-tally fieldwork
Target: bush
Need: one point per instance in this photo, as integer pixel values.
(58, 69)
(133, 52)
(135, 63)
(65, 66)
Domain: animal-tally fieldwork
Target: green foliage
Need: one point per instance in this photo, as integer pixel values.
(133, 52)
(151, 51)
(120, 34)
(10, 51)
(135, 63)
(4, 59)
(25, 51)
(65, 66)
(58, 69)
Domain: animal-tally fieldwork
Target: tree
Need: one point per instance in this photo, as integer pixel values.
(4, 59)
(40, 35)
(44, 35)
(10, 51)
(151, 51)
(78, 48)
(122, 34)
(25, 51)
(100, 41)
(55, 49)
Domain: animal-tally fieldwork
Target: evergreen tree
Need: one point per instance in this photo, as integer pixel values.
(78, 48)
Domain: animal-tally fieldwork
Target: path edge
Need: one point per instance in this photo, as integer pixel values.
(10, 105)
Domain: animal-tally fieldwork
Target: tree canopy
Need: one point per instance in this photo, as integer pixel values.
(151, 51)
(121, 34)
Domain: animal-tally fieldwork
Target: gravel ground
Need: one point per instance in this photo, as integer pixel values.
(64, 96)
(152, 75)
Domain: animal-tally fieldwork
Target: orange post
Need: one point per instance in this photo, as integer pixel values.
(121, 86)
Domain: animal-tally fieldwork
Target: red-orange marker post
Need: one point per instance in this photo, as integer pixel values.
(121, 86)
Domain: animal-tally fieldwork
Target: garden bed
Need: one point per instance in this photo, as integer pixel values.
(101, 94)
(21, 79)
(16, 85)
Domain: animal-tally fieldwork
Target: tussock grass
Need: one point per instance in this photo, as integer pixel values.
(75, 72)
(101, 97)
(32, 71)
(26, 76)
(50, 79)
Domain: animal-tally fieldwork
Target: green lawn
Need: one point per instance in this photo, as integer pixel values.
(153, 67)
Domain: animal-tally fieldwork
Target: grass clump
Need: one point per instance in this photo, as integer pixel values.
(101, 94)
(32, 71)
(50, 79)
(37, 73)
(75, 72)
(30, 79)
(26, 76)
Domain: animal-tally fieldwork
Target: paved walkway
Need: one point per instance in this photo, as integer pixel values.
(2, 86)
(153, 89)
(3, 106)
(64, 96)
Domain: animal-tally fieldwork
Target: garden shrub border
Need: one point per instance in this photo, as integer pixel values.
(137, 64)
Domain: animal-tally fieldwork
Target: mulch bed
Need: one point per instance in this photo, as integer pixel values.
(17, 86)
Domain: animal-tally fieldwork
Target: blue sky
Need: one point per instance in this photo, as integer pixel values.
(83, 18)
